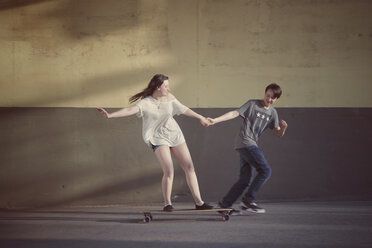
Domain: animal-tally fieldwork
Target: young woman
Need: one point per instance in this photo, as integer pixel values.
(161, 132)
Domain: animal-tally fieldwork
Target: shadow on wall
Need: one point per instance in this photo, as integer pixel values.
(55, 156)
(72, 156)
(85, 18)
(11, 4)
(96, 18)
(52, 242)
(78, 158)
(82, 19)
(99, 85)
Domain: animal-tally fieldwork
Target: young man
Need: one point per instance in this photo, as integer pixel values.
(257, 116)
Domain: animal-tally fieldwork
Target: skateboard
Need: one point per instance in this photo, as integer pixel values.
(225, 213)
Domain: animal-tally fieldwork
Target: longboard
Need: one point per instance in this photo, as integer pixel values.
(225, 213)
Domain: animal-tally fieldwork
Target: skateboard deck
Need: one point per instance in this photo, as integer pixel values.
(224, 212)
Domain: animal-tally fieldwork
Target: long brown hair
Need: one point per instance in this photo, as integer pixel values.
(155, 83)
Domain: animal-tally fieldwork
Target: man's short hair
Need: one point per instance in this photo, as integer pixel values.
(275, 88)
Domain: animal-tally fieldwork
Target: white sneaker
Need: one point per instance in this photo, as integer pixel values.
(251, 207)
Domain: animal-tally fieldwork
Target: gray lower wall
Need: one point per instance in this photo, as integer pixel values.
(73, 156)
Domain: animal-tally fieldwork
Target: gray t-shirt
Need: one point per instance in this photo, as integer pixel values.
(256, 118)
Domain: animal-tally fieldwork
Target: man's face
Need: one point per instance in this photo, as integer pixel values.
(269, 98)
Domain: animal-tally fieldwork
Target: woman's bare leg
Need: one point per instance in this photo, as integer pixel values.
(163, 155)
(183, 155)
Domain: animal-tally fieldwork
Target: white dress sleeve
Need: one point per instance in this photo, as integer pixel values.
(178, 108)
(140, 105)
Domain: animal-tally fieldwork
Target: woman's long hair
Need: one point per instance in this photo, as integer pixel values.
(155, 83)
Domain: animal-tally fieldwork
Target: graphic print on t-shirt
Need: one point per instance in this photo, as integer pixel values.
(260, 123)
(256, 120)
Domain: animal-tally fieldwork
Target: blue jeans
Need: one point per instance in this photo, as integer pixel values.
(250, 158)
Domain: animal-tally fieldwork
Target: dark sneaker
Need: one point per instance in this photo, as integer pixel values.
(233, 212)
(203, 207)
(168, 208)
(251, 207)
(221, 206)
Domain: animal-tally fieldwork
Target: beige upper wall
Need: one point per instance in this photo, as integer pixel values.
(218, 53)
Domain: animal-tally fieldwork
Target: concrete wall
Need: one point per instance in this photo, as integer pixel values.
(73, 156)
(84, 53)
(60, 59)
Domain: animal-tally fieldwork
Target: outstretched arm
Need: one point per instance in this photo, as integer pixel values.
(202, 119)
(281, 129)
(225, 117)
(120, 113)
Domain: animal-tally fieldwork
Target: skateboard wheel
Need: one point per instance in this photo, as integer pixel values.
(225, 218)
(147, 219)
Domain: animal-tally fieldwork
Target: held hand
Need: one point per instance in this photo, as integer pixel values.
(103, 112)
(211, 121)
(204, 122)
